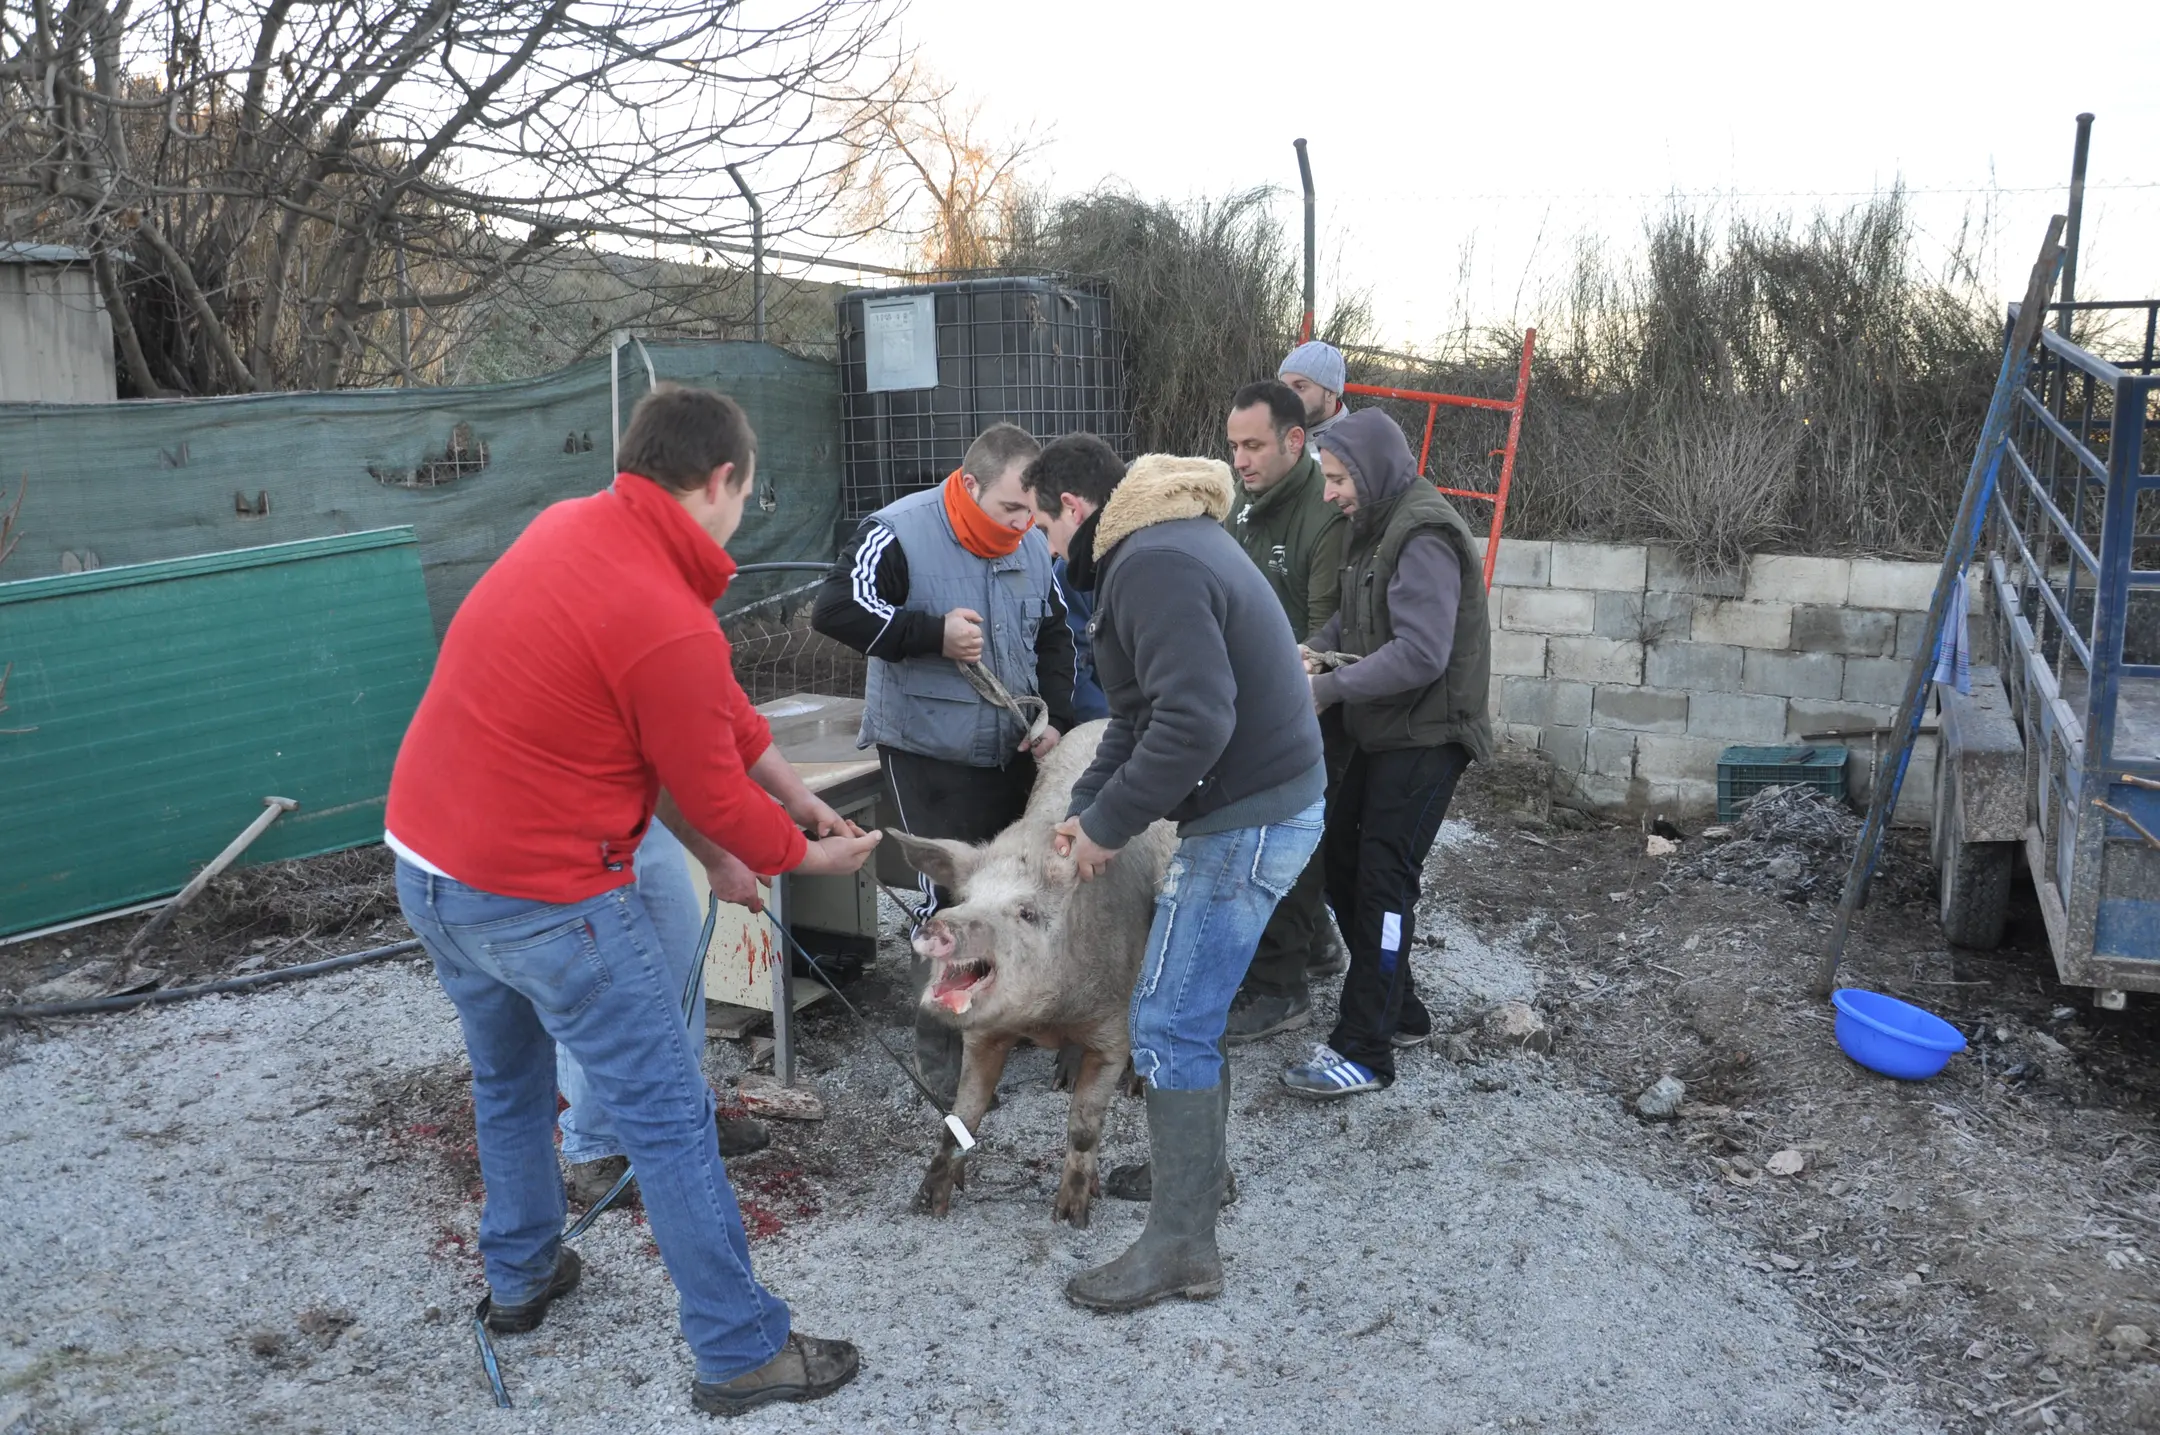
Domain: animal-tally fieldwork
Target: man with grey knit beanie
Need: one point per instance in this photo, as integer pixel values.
(1317, 374)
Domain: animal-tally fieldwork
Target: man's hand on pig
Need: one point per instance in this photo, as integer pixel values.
(1040, 747)
(1089, 859)
(733, 882)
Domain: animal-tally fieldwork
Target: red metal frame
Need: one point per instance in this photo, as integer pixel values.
(1513, 408)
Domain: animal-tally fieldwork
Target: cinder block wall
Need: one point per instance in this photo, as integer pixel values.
(1634, 673)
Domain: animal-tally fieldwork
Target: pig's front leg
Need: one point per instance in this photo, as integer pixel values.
(982, 1062)
(1098, 1081)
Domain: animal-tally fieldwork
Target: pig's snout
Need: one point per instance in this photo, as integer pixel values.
(933, 939)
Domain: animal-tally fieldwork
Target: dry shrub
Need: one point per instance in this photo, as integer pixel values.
(1738, 383)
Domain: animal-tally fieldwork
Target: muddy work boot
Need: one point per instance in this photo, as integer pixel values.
(1175, 1255)
(589, 1181)
(1137, 1183)
(1258, 1014)
(805, 1369)
(527, 1315)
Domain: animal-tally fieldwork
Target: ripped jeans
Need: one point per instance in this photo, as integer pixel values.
(1215, 901)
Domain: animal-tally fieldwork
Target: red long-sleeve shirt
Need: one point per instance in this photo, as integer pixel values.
(584, 672)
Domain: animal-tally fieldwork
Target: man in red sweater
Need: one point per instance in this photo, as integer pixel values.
(584, 673)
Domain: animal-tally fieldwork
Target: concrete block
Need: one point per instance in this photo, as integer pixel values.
(1610, 754)
(1595, 660)
(1547, 610)
(1805, 715)
(1916, 796)
(1793, 675)
(1736, 717)
(1611, 566)
(1875, 680)
(1566, 746)
(1639, 709)
(1524, 562)
(1909, 628)
(1782, 578)
(1694, 667)
(1878, 583)
(1667, 761)
(1682, 799)
(1520, 735)
(1750, 625)
(1619, 616)
(1545, 703)
(1668, 573)
(1668, 617)
(1518, 654)
(1594, 792)
(1849, 632)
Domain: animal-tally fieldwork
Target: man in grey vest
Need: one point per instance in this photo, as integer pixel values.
(951, 575)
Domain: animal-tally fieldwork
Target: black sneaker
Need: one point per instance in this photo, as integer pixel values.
(1254, 1015)
(805, 1369)
(517, 1319)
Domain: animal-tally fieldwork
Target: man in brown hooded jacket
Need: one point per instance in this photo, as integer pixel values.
(1413, 706)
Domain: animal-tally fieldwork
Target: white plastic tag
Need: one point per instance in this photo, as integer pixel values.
(960, 1132)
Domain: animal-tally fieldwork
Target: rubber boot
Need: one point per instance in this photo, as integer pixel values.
(1175, 1255)
(1137, 1182)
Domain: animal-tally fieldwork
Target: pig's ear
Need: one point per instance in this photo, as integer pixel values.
(943, 862)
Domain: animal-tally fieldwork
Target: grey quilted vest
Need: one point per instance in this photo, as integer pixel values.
(923, 705)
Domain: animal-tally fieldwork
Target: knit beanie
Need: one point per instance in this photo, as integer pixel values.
(1322, 363)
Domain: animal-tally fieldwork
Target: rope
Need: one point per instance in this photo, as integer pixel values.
(1033, 712)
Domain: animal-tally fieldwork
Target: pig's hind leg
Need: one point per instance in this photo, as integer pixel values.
(1100, 1074)
(982, 1062)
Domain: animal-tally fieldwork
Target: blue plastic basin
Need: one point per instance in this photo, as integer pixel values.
(1893, 1037)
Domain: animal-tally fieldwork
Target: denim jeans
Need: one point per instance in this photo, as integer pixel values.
(1215, 901)
(591, 976)
(663, 883)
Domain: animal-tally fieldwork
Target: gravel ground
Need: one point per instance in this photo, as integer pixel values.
(215, 1238)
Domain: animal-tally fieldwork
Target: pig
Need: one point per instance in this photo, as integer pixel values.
(1028, 952)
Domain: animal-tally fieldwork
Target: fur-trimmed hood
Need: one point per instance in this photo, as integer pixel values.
(1158, 488)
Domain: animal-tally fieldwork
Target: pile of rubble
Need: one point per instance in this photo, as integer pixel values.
(1790, 842)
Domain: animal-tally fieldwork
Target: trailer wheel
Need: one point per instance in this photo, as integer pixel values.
(1972, 878)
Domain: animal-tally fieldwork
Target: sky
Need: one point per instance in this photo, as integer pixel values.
(1502, 132)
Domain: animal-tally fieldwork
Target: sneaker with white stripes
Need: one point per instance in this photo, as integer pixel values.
(1327, 1075)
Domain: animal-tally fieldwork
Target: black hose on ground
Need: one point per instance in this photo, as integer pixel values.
(231, 984)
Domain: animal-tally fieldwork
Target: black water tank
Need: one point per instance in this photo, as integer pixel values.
(1043, 353)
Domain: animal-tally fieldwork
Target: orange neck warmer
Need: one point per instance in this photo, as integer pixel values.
(979, 533)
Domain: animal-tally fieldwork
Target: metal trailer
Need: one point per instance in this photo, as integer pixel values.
(2055, 754)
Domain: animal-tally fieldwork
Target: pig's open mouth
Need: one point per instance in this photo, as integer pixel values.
(955, 984)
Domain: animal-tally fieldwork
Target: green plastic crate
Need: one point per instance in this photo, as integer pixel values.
(1744, 771)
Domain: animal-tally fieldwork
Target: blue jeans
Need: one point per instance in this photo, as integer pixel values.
(592, 977)
(663, 883)
(1215, 901)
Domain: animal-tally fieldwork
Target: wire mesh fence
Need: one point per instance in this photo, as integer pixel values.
(777, 652)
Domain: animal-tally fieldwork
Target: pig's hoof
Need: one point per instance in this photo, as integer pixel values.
(934, 1196)
(1075, 1194)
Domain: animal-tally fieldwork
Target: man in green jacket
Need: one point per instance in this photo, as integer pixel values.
(1296, 537)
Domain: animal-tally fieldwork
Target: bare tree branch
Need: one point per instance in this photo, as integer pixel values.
(262, 154)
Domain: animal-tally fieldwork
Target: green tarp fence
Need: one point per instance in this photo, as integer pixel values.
(466, 468)
(152, 708)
